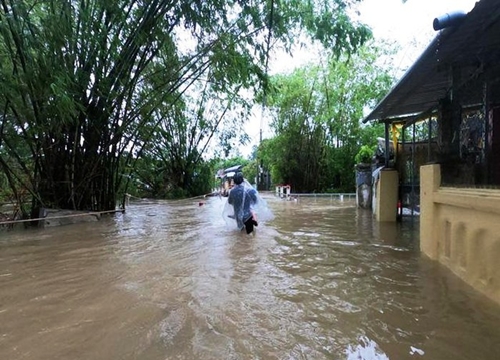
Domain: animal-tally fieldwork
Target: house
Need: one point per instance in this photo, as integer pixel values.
(453, 89)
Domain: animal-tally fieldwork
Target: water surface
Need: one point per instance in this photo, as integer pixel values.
(170, 280)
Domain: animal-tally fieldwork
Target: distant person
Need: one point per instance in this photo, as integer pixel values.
(243, 198)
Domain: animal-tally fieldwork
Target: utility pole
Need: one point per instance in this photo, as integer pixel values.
(261, 185)
(263, 182)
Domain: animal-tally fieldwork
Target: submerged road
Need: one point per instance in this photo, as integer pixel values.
(170, 280)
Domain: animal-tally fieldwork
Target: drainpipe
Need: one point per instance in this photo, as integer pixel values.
(448, 20)
(413, 170)
(429, 138)
(387, 147)
(403, 179)
(486, 157)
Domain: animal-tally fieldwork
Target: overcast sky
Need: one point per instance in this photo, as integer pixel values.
(410, 24)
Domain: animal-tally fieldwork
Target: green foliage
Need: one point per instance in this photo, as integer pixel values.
(151, 179)
(316, 114)
(181, 136)
(250, 171)
(364, 155)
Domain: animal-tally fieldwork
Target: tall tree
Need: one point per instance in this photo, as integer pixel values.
(316, 113)
(180, 142)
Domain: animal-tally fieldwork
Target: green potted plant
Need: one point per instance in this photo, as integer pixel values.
(364, 155)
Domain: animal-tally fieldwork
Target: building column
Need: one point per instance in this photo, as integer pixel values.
(430, 180)
(387, 195)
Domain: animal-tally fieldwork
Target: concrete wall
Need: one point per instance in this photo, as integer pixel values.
(460, 227)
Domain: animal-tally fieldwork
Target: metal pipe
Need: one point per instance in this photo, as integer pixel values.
(387, 144)
(486, 150)
(429, 137)
(413, 170)
(448, 20)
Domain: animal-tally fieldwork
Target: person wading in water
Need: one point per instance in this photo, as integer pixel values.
(243, 197)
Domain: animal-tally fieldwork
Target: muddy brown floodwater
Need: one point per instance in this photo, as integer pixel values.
(169, 280)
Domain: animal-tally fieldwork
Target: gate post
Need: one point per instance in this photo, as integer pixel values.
(387, 195)
(364, 186)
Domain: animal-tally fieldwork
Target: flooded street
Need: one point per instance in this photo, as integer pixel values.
(170, 280)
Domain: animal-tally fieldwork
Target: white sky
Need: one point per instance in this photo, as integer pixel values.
(409, 24)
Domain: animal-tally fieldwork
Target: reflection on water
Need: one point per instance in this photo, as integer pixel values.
(169, 280)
